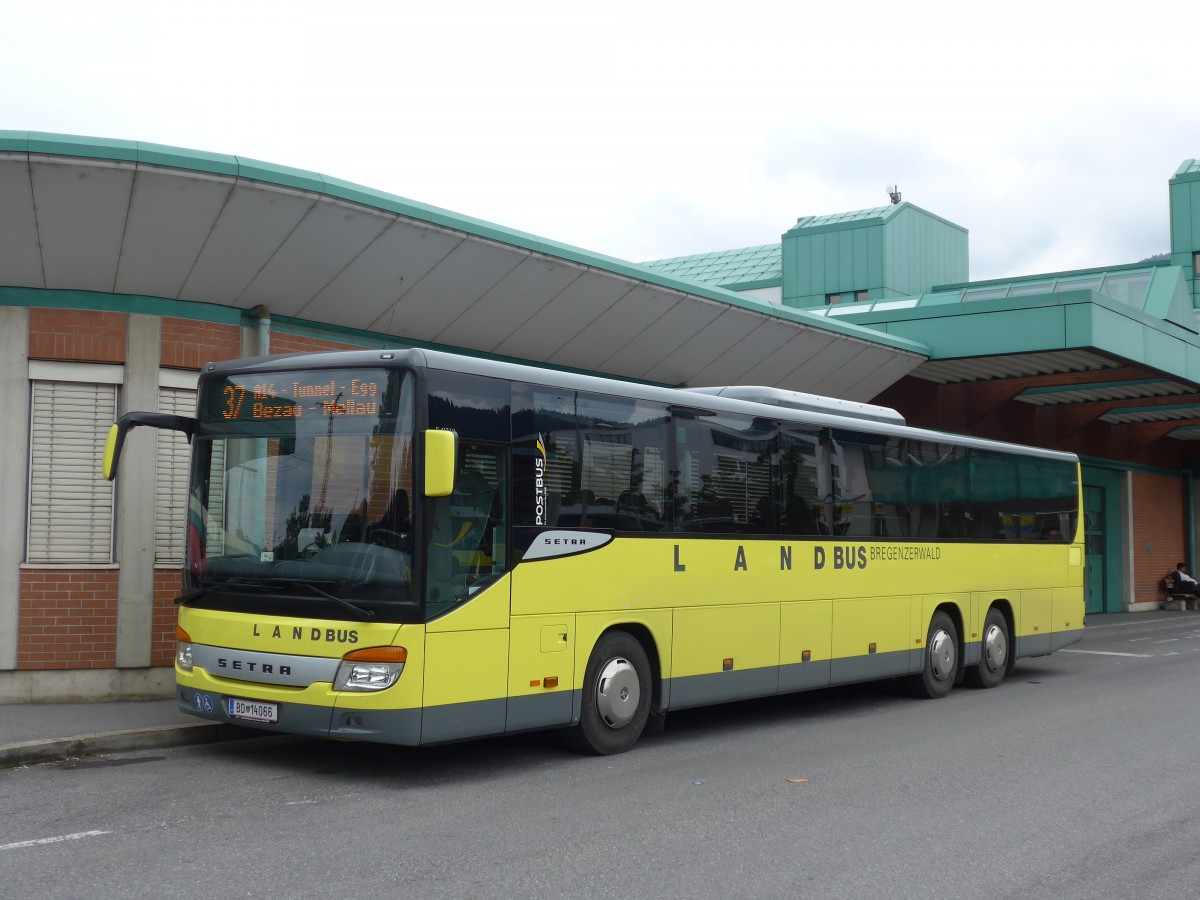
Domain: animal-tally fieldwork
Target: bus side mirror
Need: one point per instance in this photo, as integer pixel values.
(117, 431)
(112, 450)
(441, 452)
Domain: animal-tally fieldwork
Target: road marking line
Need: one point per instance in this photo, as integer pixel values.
(1125, 624)
(1111, 653)
(52, 840)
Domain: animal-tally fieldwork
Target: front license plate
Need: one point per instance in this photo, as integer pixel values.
(254, 710)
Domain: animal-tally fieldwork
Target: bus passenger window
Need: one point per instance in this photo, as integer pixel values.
(800, 469)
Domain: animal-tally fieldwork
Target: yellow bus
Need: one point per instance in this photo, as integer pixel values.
(416, 547)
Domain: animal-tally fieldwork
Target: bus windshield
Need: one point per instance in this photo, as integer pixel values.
(301, 495)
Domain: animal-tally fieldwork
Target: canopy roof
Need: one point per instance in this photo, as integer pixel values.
(130, 218)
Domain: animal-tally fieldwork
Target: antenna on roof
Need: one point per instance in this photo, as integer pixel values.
(894, 192)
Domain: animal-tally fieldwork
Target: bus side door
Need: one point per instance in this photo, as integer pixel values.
(466, 668)
(466, 647)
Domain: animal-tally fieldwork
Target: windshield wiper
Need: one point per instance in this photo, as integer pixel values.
(213, 587)
(365, 614)
(273, 584)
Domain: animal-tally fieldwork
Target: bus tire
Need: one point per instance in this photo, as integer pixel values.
(940, 667)
(617, 689)
(994, 652)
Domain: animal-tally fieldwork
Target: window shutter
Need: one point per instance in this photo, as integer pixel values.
(212, 519)
(70, 503)
(170, 494)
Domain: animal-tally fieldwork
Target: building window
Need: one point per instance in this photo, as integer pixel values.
(70, 515)
(1196, 264)
(846, 297)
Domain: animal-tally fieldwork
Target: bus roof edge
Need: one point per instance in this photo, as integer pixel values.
(807, 402)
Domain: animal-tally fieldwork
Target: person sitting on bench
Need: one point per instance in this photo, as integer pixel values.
(1180, 582)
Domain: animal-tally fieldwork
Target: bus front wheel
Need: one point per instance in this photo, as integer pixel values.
(616, 697)
(940, 668)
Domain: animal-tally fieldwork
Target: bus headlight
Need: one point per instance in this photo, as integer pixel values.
(183, 650)
(372, 669)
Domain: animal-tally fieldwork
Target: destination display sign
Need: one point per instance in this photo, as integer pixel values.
(295, 395)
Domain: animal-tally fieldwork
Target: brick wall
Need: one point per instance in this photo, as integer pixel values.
(79, 335)
(282, 342)
(68, 619)
(1159, 529)
(187, 344)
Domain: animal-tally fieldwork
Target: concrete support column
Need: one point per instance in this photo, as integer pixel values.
(14, 471)
(1127, 538)
(136, 486)
(250, 339)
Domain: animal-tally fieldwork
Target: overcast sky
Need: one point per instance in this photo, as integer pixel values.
(650, 129)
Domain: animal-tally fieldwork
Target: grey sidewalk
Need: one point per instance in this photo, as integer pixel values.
(40, 732)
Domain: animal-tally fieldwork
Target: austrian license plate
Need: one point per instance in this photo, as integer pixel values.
(254, 710)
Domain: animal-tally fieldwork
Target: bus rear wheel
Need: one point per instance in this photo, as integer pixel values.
(940, 668)
(993, 652)
(616, 697)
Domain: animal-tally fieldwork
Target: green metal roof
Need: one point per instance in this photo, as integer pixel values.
(1073, 320)
(1158, 290)
(725, 267)
(1189, 167)
(861, 218)
(879, 213)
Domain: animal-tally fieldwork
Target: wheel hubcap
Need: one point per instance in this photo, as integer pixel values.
(617, 693)
(942, 657)
(995, 648)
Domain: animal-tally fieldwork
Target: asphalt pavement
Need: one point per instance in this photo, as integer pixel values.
(43, 732)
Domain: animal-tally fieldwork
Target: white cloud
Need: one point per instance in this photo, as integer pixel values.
(646, 130)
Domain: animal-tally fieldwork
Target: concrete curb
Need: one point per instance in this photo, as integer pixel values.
(30, 752)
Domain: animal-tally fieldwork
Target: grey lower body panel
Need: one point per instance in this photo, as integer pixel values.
(972, 651)
(548, 710)
(294, 718)
(384, 726)
(387, 726)
(699, 690)
(1045, 644)
(1035, 645)
(876, 666)
(459, 721)
(409, 727)
(723, 687)
(805, 676)
(1061, 639)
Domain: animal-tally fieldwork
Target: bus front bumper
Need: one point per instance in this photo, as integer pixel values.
(216, 704)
